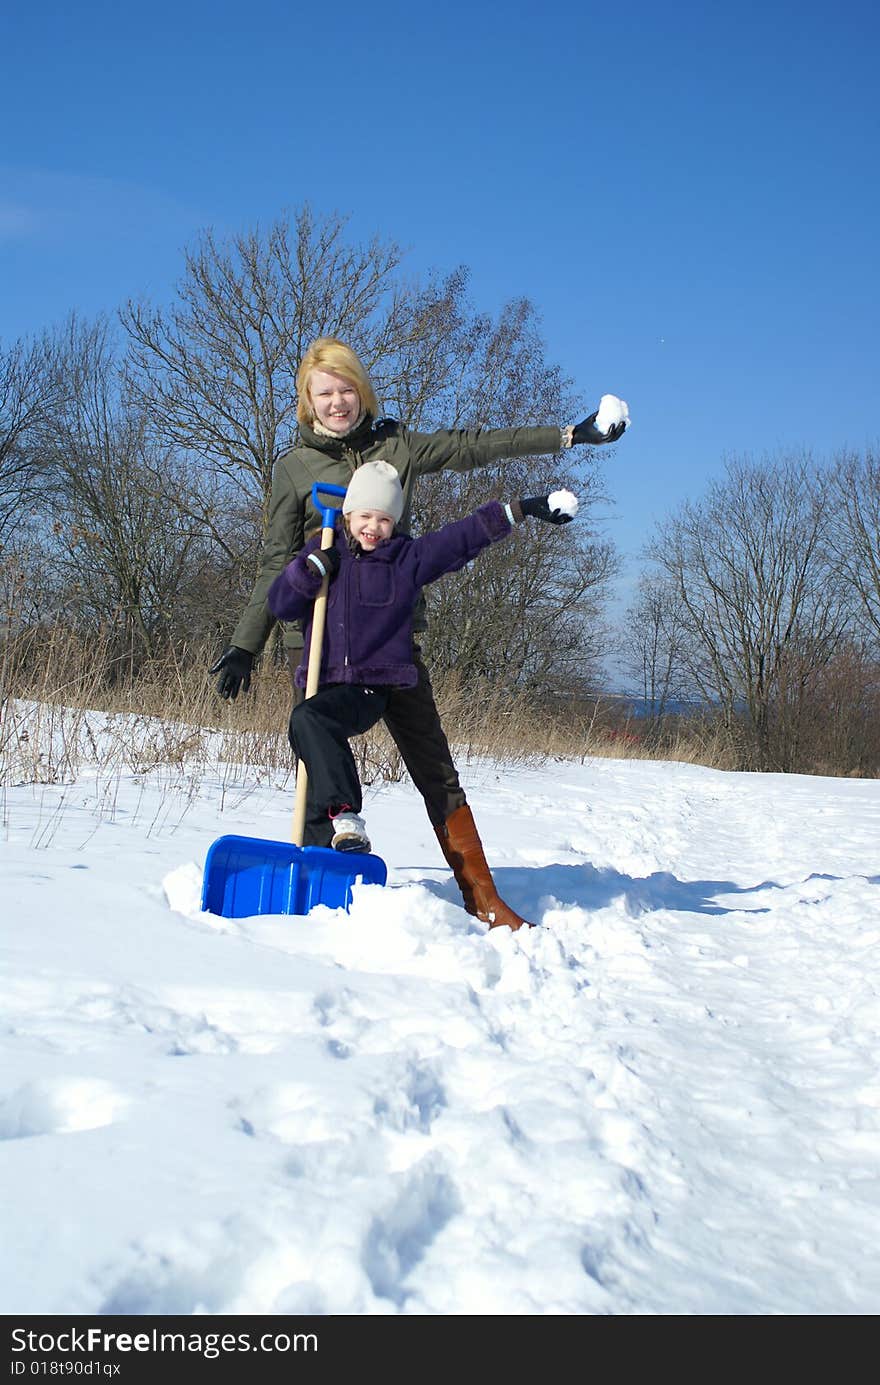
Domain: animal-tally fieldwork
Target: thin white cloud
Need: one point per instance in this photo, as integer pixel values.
(43, 202)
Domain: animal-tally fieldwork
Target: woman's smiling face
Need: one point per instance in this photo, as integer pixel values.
(335, 401)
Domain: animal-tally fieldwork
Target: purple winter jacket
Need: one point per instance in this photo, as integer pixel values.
(368, 634)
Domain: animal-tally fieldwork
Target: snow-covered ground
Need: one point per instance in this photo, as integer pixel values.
(663, 1100)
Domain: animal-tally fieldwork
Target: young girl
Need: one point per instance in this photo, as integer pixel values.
(375, 577)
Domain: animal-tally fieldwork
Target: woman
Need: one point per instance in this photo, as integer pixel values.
(340, 430)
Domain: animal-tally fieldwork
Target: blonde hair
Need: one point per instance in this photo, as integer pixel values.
(331, 354)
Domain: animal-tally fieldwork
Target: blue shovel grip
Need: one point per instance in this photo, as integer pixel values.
(328, 512)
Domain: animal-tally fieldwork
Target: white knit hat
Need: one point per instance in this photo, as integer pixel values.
(375, 486)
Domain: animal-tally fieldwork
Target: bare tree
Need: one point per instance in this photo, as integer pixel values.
(760, 591)
(841, 718)
(855, 534)
(215, 372)
(121, 551)
(528, 613)
(29, 392)
(654, 647)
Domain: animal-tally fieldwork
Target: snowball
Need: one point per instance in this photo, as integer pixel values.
(611, 411)
(564, 501)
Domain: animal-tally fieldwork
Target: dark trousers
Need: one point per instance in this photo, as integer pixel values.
(414, 725)
(319, 732)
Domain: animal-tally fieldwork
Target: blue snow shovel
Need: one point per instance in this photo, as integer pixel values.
(246, 875)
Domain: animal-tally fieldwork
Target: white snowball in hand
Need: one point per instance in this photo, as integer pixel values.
(564, 501)
(611, 412)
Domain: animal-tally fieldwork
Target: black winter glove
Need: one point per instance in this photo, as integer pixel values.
(538, 508)
(234, 668)
(325, 561)
(586, 431)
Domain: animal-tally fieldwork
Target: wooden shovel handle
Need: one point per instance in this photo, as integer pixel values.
(313, 676)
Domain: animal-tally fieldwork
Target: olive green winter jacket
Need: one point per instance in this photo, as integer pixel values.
(334, 460)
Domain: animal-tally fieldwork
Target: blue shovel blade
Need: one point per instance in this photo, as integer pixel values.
(247, 875)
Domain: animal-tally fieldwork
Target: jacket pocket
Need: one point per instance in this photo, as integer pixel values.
(375, 584)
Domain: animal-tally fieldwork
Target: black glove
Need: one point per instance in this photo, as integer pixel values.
(234, 668)
(586, 431)
(538, 508)
(325, 561)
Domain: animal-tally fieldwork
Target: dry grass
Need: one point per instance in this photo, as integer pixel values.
(66, 705)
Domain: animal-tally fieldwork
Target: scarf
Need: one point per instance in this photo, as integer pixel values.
(323, 432)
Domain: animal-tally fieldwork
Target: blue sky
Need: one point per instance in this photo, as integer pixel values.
(689, 194)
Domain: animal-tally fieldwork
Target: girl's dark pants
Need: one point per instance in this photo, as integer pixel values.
(414, 725)
(319, 730)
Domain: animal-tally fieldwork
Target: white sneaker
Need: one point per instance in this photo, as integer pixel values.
(349, 833)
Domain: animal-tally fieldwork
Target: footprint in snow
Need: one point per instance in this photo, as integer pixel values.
(58, 1106)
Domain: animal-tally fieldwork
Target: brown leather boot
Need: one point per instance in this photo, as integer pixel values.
(463, 850)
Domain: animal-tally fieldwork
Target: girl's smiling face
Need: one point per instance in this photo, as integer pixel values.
(335, 401)
(370, 527)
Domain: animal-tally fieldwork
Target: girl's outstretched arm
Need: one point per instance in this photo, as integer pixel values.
(449, 548)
